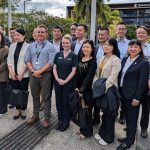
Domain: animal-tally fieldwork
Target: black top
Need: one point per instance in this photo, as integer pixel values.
(16, 55)
(85, 74)
(65, 65)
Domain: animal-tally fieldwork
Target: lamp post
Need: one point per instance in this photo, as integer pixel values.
(24, 5)
(9, 16)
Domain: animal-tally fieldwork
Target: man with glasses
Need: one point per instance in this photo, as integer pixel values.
(73, 31)
(39, 60)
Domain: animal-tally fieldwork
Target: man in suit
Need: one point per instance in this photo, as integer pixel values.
(121, 30)
(81, 35)
(57, 36)
(142, 34)
(102, 36)
(73, 31)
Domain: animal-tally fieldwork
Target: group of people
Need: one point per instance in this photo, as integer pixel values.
(73, 63)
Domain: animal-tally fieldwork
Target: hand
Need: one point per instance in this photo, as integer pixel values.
(19, 77)
(77, 89)
(37, 74)
(135, 103)
(13, 75)
(61, 81)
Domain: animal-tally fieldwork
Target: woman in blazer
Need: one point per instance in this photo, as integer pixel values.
(18, 72)
(132, 84)
(109, 67)
(3, 74)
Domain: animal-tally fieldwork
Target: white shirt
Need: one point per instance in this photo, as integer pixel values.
(78, 46)
(56, 45)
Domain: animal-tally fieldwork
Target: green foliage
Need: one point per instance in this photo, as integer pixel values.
(31, 20)
(131, 34)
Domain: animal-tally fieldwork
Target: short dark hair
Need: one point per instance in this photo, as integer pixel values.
(84, 26)
(145, 28)
(3, 40)
(113, 42)
(75, 24)
(104, 28)
(92, 46)
(121, 23)
(137, 42)
(2, 26)
(13, 28)
(58, 27)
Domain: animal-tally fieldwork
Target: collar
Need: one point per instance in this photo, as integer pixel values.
(80, 42)
(57, 43)
(132, 60)
(41, 43)
(146, 45)
(123, 40)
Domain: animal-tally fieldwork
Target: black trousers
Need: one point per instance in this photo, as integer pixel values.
(3, 98)
(62, 103)
(21, 85)
(107, 127)
(96, 112)
(131, 114)
(145, 112)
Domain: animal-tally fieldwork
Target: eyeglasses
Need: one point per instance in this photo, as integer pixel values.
(73, 29)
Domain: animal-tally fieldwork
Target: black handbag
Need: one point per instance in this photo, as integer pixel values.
(17, 97)
(99, 88)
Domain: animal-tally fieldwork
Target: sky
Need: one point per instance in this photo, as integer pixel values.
(53, 7)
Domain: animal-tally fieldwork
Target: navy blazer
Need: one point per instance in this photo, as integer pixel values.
(135, 79)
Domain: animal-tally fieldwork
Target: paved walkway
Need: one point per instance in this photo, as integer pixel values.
(68, 140)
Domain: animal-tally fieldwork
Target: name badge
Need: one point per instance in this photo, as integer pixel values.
(68, 58)
(59, 57)
(37, 62)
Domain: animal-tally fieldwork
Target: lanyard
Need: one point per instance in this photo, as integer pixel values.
(39, 51)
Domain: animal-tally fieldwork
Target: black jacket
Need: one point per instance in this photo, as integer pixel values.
(135, 79)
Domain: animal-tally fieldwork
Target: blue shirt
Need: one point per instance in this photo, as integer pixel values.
(40, 54)
(100, 54)
(123, 47)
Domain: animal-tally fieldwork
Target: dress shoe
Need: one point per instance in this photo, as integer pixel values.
(121, 140)
(46, 123)
(11, 106)
(122, 118)
(23, 117)
(58, 126)
(63, 128)
(16, 117)
(144, 133)
(32, 120)
(123, 146)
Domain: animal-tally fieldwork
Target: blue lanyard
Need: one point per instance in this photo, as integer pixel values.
(39, 51)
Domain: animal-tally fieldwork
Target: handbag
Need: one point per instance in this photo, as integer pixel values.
(17, 97)
(99, 88)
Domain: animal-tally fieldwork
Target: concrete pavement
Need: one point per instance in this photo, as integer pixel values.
(68, 140)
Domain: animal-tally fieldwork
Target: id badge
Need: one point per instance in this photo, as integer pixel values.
(37, 62)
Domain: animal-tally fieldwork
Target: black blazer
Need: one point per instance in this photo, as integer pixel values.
(135, 79)
(61, 48)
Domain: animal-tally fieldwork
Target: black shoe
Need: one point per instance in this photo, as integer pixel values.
(23, 117)
(95, 121)
(123, 146)
(125, 129)
(144, 133)
(63, 128)
(122, 118)
(58, 126)
(121, 139)
(16, 117)
(11, 106)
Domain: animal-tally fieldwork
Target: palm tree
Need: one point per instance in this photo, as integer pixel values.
(83, 11)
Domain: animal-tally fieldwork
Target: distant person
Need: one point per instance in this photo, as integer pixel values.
(3, 75)
(39, 60)
(12, 34)
(132, 85)
(18, 72)
(7, 41)
(142, 34)
(73, 29)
